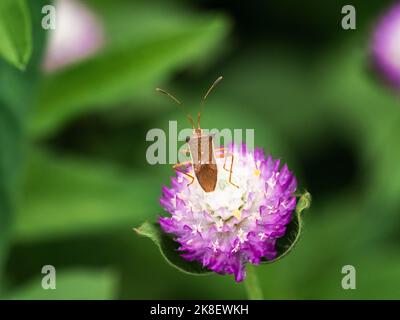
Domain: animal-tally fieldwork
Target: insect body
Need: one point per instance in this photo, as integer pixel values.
(203, 160)
(202, 152)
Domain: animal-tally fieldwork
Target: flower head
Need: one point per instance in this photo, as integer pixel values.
(78, 35)
(239, 221)
(386, 46)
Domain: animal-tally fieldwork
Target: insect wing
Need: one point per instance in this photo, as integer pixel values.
(202, 150)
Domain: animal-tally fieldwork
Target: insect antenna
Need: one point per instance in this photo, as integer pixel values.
(179, 103)
(204, 100)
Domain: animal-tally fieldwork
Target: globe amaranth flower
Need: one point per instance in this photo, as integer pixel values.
(78, 35)
(386, 46)
(230, 226)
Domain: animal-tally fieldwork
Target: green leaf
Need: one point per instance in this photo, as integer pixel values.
(168, 248)
(16, 91)
(10, 148)
(69, 196)
(15, 32)
(293, 231)
(71, 284)
(124, 70)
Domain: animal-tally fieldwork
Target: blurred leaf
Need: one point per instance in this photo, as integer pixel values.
(169, 249)
(16, 92)
(15, 32)
(123, 71)
(71, 284)
(285, 244)
(10, 136)
(129, 22)
(70, 196)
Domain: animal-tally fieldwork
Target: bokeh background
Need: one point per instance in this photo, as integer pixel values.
(74, 179)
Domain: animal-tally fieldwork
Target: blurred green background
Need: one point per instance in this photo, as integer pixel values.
(73, 174)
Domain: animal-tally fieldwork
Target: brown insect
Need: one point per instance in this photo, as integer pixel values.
(202, 151)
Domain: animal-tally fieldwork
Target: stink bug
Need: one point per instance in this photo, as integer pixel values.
(202, 151)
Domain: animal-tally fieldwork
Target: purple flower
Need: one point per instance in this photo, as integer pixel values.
(228, 227)
(78, 35)
(386, 46)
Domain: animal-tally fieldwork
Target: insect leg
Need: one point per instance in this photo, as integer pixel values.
(220, 152)
(231, 167)
(177, 168)
(224, 155)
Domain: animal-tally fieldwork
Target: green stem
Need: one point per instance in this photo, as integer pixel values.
(252, 284)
